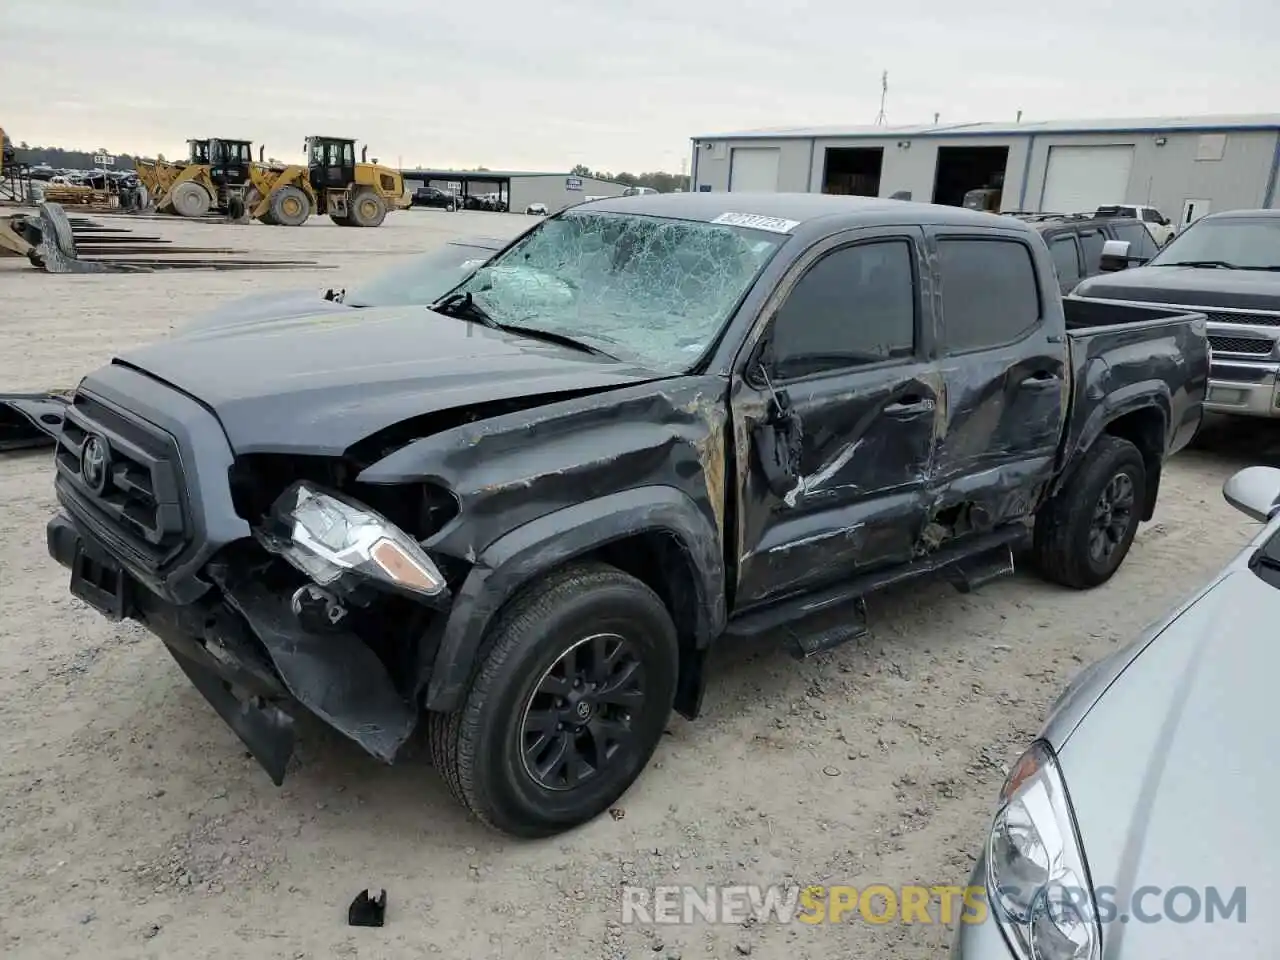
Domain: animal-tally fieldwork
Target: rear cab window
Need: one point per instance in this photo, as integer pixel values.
(990, 292)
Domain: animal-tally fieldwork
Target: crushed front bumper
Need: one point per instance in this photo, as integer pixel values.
(244, 651)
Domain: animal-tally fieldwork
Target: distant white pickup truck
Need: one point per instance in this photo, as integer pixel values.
(1157, 224)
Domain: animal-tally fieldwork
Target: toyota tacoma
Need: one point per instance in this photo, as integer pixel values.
(520, 517)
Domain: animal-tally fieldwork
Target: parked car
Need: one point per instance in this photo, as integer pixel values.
(526, 527)
(1226, 265)
(1145, 780)
(536, 209)
(1076, 243)
(1158, 225)
(435, 198)
(422, 280)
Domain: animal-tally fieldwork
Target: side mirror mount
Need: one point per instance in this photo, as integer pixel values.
(1115, 256)
(1255, 492)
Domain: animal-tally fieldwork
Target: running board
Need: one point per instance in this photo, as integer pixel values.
(837, 614)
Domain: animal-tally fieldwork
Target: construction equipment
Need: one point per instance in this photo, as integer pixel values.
(15, 177)
(332, 183)
(214, 177)
(56, 243)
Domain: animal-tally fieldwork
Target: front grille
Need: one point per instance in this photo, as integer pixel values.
(1235, 316)
(1250, 345)
(134, 477)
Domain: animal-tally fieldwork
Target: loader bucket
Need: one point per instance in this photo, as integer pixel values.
(46, 239)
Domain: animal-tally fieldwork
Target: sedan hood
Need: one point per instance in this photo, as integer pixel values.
(1169, 775)
(318, 384)
(1188, 286)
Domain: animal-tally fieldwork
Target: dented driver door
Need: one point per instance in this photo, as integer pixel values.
(836, 408)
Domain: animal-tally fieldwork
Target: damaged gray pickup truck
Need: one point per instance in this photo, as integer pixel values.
(523, 515)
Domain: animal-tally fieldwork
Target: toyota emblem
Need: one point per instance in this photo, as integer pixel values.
(95, 463)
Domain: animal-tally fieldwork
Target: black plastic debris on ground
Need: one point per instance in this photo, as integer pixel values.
(366, 911)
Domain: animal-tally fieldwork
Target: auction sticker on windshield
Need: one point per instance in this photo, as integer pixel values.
(757, 222)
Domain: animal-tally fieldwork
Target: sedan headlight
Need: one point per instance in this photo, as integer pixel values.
(1037, 882)
(325, 535)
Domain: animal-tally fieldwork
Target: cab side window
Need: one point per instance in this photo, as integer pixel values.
(1141, 243)
(854, 306)
(990, 295)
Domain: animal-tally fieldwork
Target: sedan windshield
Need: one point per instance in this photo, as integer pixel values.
(1241, 243)
(649, 290)
(421, 280)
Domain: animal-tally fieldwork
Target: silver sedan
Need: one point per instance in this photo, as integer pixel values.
(1142, 822)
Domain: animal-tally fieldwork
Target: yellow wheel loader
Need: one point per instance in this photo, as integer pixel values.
(332, 183)
(214, 177)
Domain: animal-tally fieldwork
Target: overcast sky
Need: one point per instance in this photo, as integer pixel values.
(546, 84)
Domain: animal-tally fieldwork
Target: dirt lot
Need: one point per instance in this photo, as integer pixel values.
(133, 824)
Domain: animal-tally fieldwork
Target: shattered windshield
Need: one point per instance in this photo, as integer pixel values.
(421, 280)
(649, 290)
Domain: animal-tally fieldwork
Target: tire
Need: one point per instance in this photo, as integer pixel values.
(481, 749)
(368, 209)
(341, 221)
(235, 208)
(190, 199)
(1069, 549)
(290, 207)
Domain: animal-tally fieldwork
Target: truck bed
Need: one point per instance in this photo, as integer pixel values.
(1121, 351)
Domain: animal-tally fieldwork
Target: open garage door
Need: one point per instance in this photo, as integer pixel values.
(754, 170)
(1081, 179)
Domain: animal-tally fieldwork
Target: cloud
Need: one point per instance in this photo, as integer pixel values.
(608, 83)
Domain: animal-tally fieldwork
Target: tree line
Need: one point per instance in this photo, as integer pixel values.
(658, 180)
(58, 158)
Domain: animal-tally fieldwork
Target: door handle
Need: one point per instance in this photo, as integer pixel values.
(908, 406)
(1040, 381)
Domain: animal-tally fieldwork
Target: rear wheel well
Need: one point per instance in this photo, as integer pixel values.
(1145, 429)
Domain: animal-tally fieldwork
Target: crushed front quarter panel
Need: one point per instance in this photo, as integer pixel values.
(30, 420)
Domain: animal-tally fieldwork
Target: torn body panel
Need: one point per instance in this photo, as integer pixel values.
(536, 488)
(30, 420)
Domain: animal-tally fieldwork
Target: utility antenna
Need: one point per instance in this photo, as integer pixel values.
(884, 93)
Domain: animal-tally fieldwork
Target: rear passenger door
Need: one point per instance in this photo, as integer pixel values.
(1066, 260)
(1003, 370)
(844, 352)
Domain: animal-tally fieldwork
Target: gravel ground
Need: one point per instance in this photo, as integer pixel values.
(133, 824)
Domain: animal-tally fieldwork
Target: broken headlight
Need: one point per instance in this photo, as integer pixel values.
(325, 535)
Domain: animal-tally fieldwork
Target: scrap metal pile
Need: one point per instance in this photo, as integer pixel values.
(56, 243)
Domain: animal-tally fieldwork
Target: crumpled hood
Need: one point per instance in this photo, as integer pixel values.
(318, 384)
(1170, 777)
(257, 309)
(1188, 286)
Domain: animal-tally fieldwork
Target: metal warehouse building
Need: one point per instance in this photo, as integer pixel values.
(517, 188)
(1184, 166)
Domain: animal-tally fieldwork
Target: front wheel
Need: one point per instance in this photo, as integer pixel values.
(572, 695)
(1084, 533)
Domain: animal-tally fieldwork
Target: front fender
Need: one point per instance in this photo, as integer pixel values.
(517, 558)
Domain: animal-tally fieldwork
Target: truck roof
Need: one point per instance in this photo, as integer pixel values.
(800, 207)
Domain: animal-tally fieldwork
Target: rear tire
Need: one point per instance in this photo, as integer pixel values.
(532, 754)
(191, 200)
(290, 207)
(341, 221)
(367, 208)
(1084, 533)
